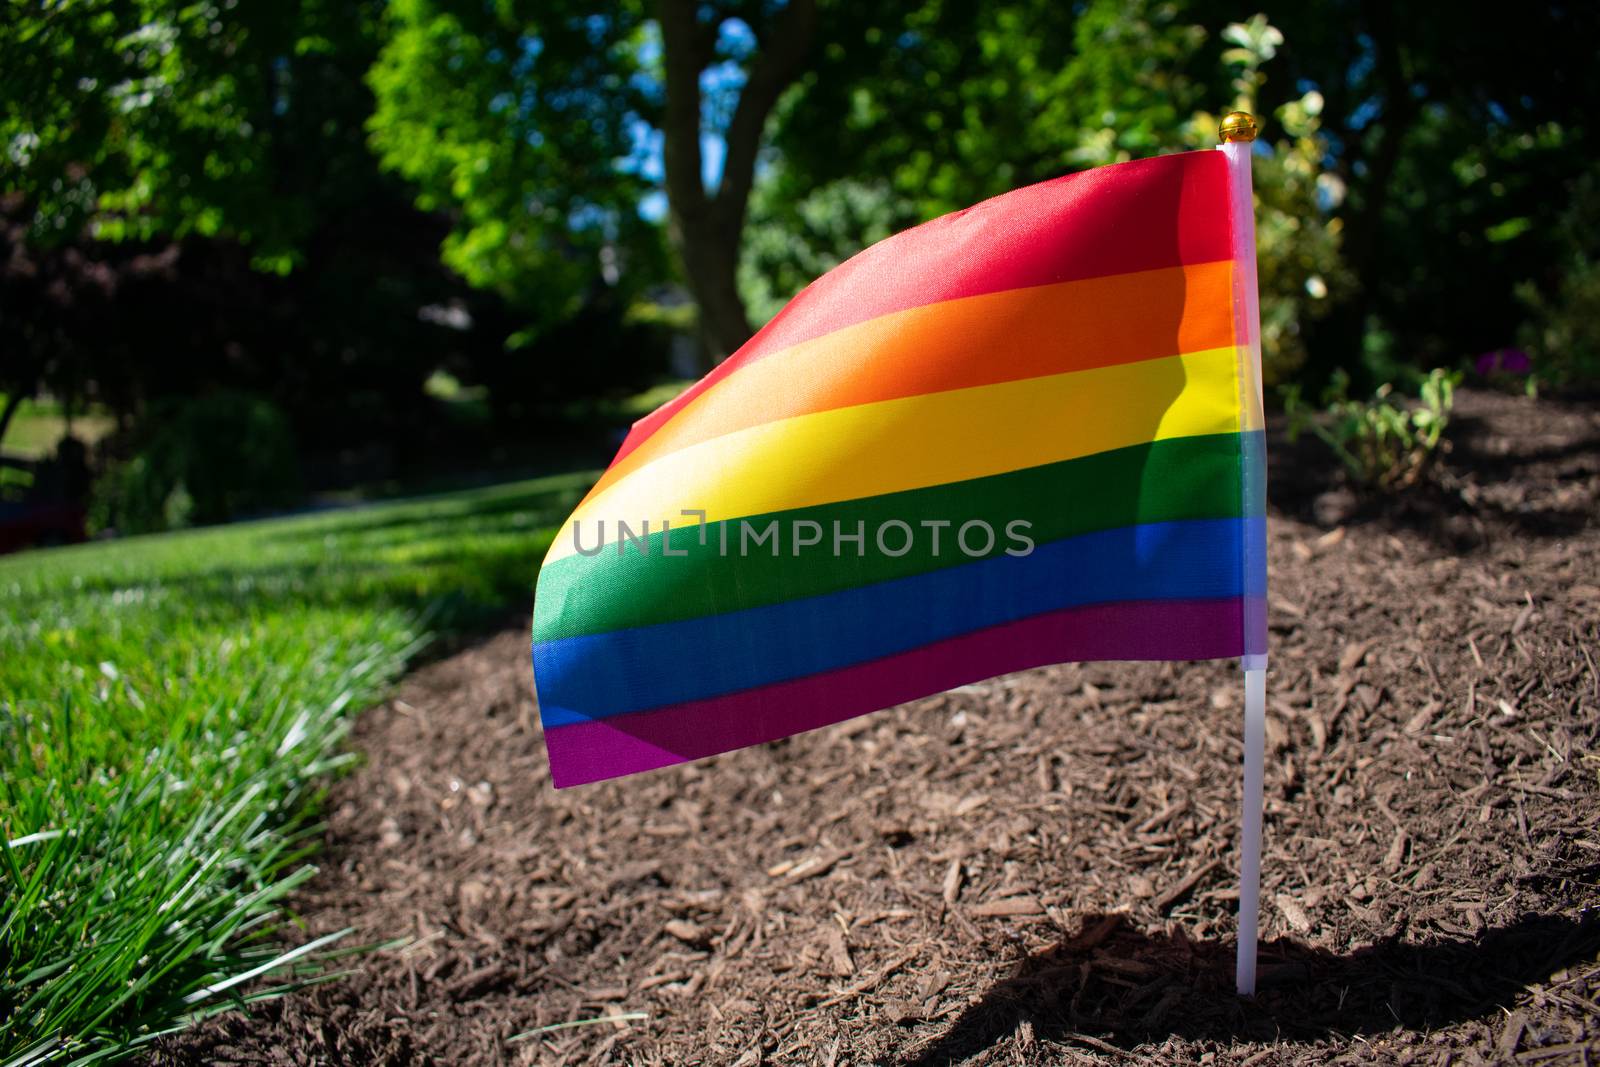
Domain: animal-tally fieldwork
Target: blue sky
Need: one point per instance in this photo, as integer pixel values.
(720, 84)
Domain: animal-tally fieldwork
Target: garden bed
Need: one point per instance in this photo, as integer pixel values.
(1040, 868)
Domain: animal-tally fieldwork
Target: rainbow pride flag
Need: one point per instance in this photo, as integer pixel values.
(1021, 434)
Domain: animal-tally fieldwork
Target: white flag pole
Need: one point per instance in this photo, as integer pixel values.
(1238, 134)
(1255, 736)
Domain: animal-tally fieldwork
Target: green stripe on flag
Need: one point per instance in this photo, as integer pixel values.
(1178, 478)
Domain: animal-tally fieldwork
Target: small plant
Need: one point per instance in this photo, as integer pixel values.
(207, 459)
(1384, 443)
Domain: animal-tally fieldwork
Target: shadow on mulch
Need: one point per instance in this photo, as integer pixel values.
(1131, 988)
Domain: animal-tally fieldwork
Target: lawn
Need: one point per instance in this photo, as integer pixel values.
(170, 709)
(39, 426)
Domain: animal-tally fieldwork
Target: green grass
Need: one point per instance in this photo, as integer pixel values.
(39, 425)
(169, 710)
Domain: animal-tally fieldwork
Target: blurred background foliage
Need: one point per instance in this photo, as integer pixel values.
(511, 117)
(199, 462)
(327, 206)
(1563, 322)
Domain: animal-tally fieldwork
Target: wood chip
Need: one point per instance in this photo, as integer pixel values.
(472, 983)
(839, 952)
(1182, 888)
(1419, 722)
(1293, 913)
(1511, 1036)
(1009, 906)
(1092, 937)
(813, 866)
(1100, 1046)
(1397, 852)
(684, 930)
(1118, 965)
(1354, 653)
(952, 883)
(971, 804)
(871, 981)
(1545, 790)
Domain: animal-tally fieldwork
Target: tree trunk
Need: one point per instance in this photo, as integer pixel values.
(706, 227)
(711, 262)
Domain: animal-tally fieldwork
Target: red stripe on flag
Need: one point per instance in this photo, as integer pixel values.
(1137, 216)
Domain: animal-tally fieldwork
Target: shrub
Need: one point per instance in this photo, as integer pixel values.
(203, 460)
(1384, 443)
(1300, 269)
(1563, 331)
(1565, 327)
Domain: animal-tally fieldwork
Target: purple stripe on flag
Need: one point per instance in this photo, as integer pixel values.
(1140, 630)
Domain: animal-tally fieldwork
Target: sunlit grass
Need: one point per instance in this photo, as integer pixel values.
(169, 709)
(39, 426)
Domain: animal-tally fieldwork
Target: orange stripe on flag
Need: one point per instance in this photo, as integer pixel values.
(958, 344)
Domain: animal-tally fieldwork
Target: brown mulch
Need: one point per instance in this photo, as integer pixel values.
(1040, 868)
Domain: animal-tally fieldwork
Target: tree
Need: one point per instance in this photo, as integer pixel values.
(1458, 140)
(1432, 156)
(191, 204)
(952, 104)
(512, 117)
(707, 225)
(140, 118)
(534, 122)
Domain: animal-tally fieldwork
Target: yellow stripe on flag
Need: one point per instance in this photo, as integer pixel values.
(919, 441)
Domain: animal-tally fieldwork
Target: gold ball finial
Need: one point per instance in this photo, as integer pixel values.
(1238, 126)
